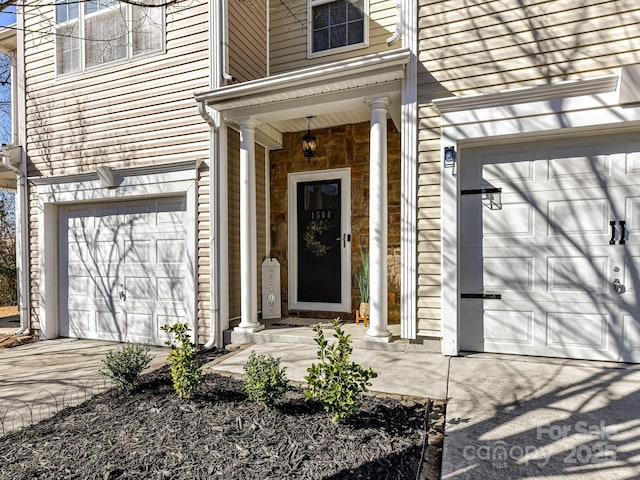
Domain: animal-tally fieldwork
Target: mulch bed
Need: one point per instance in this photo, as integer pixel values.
(152, 434)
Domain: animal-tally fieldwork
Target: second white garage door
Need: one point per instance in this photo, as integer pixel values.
(548, 250)
(124, 269)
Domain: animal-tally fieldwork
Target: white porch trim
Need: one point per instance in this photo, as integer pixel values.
(573, 107)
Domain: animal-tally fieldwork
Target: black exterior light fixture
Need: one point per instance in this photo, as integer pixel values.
(309, 144)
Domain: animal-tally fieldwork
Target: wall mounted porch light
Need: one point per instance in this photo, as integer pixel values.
(449, 156)
(309, 144)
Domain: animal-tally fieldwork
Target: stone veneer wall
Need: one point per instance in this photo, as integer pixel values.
(339, 147)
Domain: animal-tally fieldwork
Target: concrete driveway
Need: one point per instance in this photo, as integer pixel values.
(512, 417)
(39, 379)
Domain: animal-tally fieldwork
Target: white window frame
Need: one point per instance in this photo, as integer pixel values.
(332, 51)
(81, 21)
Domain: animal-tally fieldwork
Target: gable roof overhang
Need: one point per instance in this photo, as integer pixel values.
(333, 93)
(8, 39)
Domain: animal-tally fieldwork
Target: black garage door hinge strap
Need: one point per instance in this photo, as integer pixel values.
(483, 296)
(477, 191)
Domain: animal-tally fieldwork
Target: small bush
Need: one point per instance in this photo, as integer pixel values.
(265, 381)
(124, 365)
(186, 373)
(8, 289)
(336, 381)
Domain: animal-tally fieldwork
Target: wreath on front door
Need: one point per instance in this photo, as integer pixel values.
(311, 233)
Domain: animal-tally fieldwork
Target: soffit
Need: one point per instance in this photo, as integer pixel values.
(8, 39)
(333, 94)
(7, 179)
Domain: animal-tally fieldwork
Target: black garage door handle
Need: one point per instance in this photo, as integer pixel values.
(613, 232)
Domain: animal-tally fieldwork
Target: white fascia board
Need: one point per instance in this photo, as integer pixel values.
(61, 194)
(564, 90)
(546, 117)
(176, 170)
(369, 64)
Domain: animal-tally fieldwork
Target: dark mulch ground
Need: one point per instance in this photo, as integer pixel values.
(152, 434)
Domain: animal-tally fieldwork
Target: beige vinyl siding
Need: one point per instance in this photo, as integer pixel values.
(233, 155)
(429, 244)
(247, 39)
(124, 114)
(204, 259)
(130, 113)
(480, 47)
(488, 46)
(288, 35)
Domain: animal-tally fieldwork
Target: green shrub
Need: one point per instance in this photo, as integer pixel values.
(186, 373)
(124, 365)
(265, 381)
(362, 276)
(8, 289)
(336, 381)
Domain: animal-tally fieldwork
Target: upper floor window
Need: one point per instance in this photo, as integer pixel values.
(339, 24)
(96, 32)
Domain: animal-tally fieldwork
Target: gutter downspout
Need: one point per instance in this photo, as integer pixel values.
(215, 55)
(22, 228)
(224, 53)
(398, 33)
(19, 137)
(213, 257)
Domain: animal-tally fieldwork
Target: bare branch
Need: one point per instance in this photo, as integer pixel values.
(149, 3)
(4, 4)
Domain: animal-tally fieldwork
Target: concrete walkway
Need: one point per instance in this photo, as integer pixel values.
(397, 372)
(508, 417)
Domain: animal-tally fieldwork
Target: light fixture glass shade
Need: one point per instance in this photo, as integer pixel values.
(309, 145)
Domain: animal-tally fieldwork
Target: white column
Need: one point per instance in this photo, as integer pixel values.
(378, 321)
(248, 242)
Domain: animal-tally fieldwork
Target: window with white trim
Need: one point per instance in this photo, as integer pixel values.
(97, 32)
(338, 24)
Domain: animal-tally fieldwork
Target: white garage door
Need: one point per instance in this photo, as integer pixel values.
(124, 269)
(550, 248)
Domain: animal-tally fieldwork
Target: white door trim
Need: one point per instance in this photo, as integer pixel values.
(138, 186)
(344, 175)
(508, 116)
